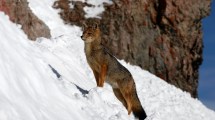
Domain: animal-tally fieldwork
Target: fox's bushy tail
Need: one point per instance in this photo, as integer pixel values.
(137, 108)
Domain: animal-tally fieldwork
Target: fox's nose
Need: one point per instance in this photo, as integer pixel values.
(82, 37)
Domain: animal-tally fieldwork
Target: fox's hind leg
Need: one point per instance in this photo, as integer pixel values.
(119, 96)
(127, 97)
(126, 90)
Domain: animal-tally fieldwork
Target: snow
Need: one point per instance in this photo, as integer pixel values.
(95, 9)
(50, 79)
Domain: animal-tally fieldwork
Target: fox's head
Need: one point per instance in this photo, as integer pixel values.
(91, 33)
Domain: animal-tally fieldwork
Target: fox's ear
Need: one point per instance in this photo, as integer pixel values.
(84, 26)
(95, 26)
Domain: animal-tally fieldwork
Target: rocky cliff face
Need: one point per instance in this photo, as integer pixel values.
(19, 12)
(162, 36)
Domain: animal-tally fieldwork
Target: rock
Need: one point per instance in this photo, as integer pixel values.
(19, 12)
(162, 36)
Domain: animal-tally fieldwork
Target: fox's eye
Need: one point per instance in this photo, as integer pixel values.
(89, 33)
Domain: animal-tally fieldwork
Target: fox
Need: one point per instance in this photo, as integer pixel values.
(106, 68)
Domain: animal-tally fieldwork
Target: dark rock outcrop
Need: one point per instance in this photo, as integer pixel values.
(19, 12)
(162, 36)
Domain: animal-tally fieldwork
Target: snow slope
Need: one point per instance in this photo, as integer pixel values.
(50, 80)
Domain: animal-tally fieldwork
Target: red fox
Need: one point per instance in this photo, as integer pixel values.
(106, 68)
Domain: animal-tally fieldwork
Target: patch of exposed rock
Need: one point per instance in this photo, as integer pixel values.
(20, 13)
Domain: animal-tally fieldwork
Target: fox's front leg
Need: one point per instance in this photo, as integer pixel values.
(102, 75)
(96, 74)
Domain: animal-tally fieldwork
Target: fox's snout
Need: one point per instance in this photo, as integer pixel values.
(82, 37)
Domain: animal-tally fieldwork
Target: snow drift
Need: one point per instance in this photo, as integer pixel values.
(50, 79)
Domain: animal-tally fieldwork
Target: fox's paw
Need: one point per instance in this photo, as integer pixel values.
(100, 85)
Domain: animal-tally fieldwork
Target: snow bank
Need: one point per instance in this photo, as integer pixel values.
(95, 9)
(31, 90)
(50, 79)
